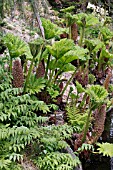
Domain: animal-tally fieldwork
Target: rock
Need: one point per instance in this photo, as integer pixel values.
(70, 151)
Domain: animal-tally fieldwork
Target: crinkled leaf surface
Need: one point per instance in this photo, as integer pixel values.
(89, 20)
(76, 53)
(106, 33)
(106, 54)
(59, 48)
(16, 46)
(97, 93)
(50, 29)
(94, 44)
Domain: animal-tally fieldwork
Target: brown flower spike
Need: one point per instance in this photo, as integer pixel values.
(17, 72)
(40, 72)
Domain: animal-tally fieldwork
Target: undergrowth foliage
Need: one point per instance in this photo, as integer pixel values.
(22, 127)
(75, 116)
(53, 144)
(57, 161)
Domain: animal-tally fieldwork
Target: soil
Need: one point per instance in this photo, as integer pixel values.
(28, 164)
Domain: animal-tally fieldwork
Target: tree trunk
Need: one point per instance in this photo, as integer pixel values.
(36, 13)
(1, 9)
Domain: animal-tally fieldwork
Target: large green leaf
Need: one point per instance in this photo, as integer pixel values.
(69, 56)
(70, 19)
(86, 20)
(68, 67)
(76, 53)
(59, 48)
(50, 29)
(16, 46)
(94, 44)
(81, 52)
(106, 33)
(79, 18)
(91, 20)
(106, 54)
(62, 66)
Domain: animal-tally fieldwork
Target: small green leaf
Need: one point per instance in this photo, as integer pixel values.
(79, 87)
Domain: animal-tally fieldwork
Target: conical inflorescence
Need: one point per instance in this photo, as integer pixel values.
(17, 72)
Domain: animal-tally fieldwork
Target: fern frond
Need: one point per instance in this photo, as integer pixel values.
(56, 160)
(17, 147)
(39, 105)
(15, 156)
(4, 164)
(86, 147)
(76, 117)
(5, 95)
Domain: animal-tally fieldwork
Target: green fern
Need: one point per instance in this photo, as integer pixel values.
(5, 76)
(52, 92)
(21, 108)
(4, 164)
(14, 140)
(86, 147)
(76, 117)
(56, 161)
(17, 122)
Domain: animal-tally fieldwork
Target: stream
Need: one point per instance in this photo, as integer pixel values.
(98, 162)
